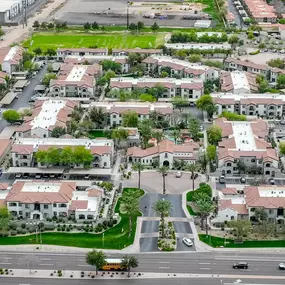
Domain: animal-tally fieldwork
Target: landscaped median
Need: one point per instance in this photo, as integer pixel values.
(214, 241)
(114, 238)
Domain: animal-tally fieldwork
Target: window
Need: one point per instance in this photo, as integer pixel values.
(253, 160)
(12, 204)
(229, 164)
(45, 206)
(270, 211)
(27, 215)
(252, 209)
(62, 205)
(20, 204)
(232, 218)
(165, 155)
(54, 205)
(54, 214)
(27, 206)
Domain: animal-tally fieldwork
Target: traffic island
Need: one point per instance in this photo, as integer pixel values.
(167, 238)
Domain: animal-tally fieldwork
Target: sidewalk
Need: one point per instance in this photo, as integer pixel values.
(19, 33)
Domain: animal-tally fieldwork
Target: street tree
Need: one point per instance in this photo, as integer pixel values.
(147, 98)
(211, 152)
(111, 65)
(214, 134)
(11, 116)
(140, 25)
(139, 167)
(145, 129)
(95, 26)
(204, 207)
(37, 51)
(205, 103)
(282, 148)
(58, 132)
(129, 262)
(260, 214)
(130, 206)
(36, 24)
(233, 39)
(119, 134)
(281, 81)
(195, 58)
(163, 170)
(193, 168)
(130, 119)
(47, 78)
(240, 227)
(178, 102)
(5, 219)
(155, 27)
(87, 26)
(96, 258)
(194, 128)
(162, 208)
(99, 117)
(203, 161)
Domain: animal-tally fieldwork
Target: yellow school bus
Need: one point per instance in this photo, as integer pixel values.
(113, 264)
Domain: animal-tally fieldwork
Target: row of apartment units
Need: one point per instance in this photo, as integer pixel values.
(262, 105)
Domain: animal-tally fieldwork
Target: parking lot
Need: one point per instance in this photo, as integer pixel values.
(112, 12)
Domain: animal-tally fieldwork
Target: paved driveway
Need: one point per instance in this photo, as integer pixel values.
(152, 182)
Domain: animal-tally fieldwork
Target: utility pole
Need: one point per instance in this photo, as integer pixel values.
(128, 4)
(24, 12)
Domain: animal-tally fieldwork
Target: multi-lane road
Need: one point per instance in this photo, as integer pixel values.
(265, 265)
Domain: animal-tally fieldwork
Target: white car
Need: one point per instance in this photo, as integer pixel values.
(282, 266)
(178, 174)
(187, 241)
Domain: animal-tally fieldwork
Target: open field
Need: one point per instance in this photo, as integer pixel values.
(84, 40)
(114, 238)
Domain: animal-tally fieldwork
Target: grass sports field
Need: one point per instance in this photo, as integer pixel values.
(84, 40)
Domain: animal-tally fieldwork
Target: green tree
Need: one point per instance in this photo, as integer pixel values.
(140, 25)
(233, 40)
(241, 227)
(5, 219)
(163, 170)
(214, 134)
(162, 207)
(87, 26)
(119, 135)
(37, 51)
(263, 86)
(47, 78)
(282, 148)
(175, 134)
(11, 116)
(139, 167)
(195, 58)
(111, 65)
(50, 52)
(211, 152)
(260, 215)
(109, 74)
(147, 98)
(50, 26)
(204, 207)
(52, 156)
(133, 27)
(58, 132)
(276, 62)
(250, 35)
(155, 27)
(36, 24)
(66, 156)
(96, 258)
(205, 103)
(134, 58)
(193, 168)
(194, 128)
(178, 102)
(130, 119)
(145, 129)
(281, 81)
(129, 262)
(99, 117)
(203, 161)
(95, 26)
(82, 156)
(130, 206)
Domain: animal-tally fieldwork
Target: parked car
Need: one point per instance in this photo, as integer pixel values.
(271, 181)
(187, 241)
(243, 180)
(178, 174)
(240, 265)
(282, 266)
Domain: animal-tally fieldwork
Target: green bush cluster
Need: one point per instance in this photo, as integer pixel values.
(233, 117)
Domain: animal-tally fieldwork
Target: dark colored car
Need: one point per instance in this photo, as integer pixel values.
(240, 265)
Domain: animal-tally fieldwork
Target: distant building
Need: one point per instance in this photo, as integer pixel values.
(11, 58)
(200, 46)
(141, 51)
(62, 53)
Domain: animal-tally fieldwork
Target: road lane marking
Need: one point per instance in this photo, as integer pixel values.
(204, 268)
(82, 265)
(45, 258)
(46, 264)
(163, 267)
(205, 263)
(5, 263)
(163, 262)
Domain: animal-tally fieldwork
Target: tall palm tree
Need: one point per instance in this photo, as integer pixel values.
(192, 168)
(129, 262)
(139, 167)
(176, 135)
(130, 206)
(99, 117)
(162, 207)
(205, 207)
(163, 170)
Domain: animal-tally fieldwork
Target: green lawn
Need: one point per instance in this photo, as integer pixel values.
(96, 134)
(114, 238)
(84, 40)
(218, 241)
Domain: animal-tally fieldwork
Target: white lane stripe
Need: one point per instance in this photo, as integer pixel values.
(162, 267)
(6, 263)
(163, 262)
(46, 264)
(45, 258)
(203, 268)
(205, 263)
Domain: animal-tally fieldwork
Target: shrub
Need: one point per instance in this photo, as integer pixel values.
(19, 231)
(13, 227)
(13, 233)
(23, 225)
(24, 231)
(49, 227)
(59, 274)
(105, 223)
(31, 230)
(233, 116)
(110, 223)
(255, 52)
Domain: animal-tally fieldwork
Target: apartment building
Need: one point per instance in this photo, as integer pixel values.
(164, 153)
(141, 51)
(244, 142)
(242, 203)
(11, 58)
(42, 200)
(270, 106)
(116, 110)
(62, 53)
(200, 46)
(5, 148)
(75, 81)
(47, 114)
(190, 89)
(24, 151)
(238, 82)
(179, 68)
(92, 59)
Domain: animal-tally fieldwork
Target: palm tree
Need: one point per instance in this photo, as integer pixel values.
(192, 168)
(99, 117)
(139, 167)
(163, 170)
(129, 262)
(162, 207)
(205, 207)
(175, 134)
(96, 258)
(130, 206)
(8, 81)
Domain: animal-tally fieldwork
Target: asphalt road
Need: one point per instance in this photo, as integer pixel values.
(192, 263)
(168, 281)
(24, 98)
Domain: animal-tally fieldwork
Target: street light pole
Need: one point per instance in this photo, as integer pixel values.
(128, 3)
